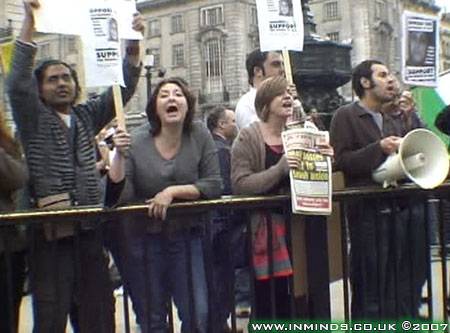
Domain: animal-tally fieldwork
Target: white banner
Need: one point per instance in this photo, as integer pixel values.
(280, 24)
(66, 16)
(101, 45)
(420, 49)
(59, 16)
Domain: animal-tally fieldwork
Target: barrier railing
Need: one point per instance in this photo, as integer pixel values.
(311, 299)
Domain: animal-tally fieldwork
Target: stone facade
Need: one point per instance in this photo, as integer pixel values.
(215, 35)
(206, 41)
(445, 42)
(372, 27)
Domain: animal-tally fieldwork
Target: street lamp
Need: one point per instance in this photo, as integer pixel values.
(149, 61)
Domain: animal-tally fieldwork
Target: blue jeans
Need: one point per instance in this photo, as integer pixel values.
(157, 268)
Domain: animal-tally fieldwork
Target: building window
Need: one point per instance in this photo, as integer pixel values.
(333, 36)
(212, 50)
(156, 56)
(178, 55)
(211, 15)
(71, 43)
(154, 28)
(331, 10)
(253, 16)
(177, 23)
(380, 10)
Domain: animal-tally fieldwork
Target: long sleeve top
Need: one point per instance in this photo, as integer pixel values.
(60, 159)
(148, 173)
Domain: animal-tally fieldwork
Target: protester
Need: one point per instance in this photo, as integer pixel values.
(402, 114)
(171, 158)
(67, 263)
(260, 65)
(227, 227)
(384, 284)
(410, 113)
(13, 176)
(259, 167)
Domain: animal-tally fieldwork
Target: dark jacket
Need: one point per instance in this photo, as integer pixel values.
(442, 121)
(224, 152)
(355, 138)
(13, 176)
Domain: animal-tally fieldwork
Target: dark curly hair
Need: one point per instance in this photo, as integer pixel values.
(364, 69)
(39, 72)
(150, 110)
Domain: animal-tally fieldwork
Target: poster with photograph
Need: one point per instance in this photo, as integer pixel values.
(101, 47)
(66, 17)
(280, 24)
(420, 49)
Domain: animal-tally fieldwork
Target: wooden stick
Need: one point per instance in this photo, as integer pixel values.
(287, 66)
(117, 94)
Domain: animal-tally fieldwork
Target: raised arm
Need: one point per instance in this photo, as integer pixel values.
(21, 85)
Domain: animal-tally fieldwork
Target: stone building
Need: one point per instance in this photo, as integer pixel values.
(372, 27)
(445, 42)
(204, 42)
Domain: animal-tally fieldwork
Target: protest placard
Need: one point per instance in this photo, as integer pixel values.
(311, 182)
(101, 46)
(66, 16)
(280, 24)
(420, 52)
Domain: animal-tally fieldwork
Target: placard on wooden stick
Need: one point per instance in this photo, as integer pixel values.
(118, 106)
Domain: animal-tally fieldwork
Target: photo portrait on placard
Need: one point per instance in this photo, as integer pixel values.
(113, 31)
(286, 8)
(420, 49)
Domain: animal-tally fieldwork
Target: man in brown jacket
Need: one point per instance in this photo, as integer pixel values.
(382, 251)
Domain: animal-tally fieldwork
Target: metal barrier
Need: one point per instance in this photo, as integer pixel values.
(309, 300)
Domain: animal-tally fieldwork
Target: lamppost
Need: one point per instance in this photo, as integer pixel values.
(149, 61)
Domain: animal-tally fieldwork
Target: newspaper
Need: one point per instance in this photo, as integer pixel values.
(311, 187)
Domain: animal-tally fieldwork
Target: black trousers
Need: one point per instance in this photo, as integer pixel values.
(388, 258)
(71, 274)
(12, 277)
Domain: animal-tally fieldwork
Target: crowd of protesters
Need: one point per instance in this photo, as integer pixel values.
(173, 157)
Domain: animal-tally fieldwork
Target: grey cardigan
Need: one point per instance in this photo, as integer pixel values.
(147, 173)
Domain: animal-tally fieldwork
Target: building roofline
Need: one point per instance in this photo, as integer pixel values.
(150, 4)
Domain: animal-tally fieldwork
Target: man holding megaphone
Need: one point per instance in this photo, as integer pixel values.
(382, 249)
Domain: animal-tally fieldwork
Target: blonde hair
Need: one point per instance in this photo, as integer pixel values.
(269, 89)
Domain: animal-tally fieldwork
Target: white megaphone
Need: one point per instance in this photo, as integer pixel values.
(422, 157)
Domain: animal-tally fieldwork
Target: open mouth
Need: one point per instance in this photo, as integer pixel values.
(287, 104)
(172, 109)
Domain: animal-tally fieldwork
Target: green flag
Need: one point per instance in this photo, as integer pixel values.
(431, 101)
